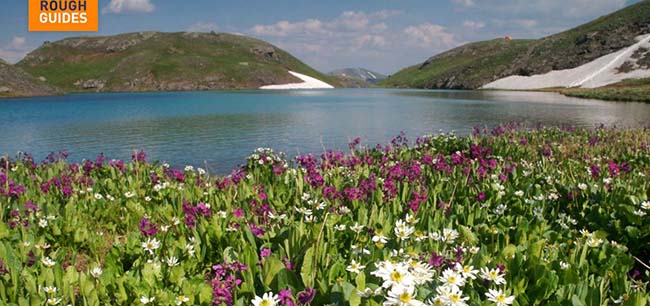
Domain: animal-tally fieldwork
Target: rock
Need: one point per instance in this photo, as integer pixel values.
(91, 84)
(4, 89)
(42, 79)
(267, 52)
(121, 45)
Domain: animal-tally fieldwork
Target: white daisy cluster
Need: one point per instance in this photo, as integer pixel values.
(565, 221)
(403, 276)
(590, 239)
(643, 211)
(266, 156)
(401, 280)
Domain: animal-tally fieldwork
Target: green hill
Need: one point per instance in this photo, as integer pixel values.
(476, 64)
(14, 82)
(152, 61)
(468, 66)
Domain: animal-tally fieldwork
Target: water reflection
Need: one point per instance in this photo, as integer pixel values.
(221, 128)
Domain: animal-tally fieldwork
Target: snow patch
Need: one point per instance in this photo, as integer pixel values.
(600, 72)
(308, 83)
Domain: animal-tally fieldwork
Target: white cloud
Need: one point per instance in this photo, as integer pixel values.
(284, 28)
(429, 35)
(349, 31)
(526, 23)
(124, 6)
(15, 50)
(550, 8)
(385, 14)
(474, 25)
(203, 27)
(18, 43)
(352, 21)
(370, 40)
(348, 21)
(355, 38)
(465, 3)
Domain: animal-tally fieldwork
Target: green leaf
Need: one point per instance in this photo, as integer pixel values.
(509, 251)
(229, 255)
(307, 269)
(177, 275)
(4, 232)
(575, 300)
(361, 281)
(338, 269)
(272, 266)
(205, 294)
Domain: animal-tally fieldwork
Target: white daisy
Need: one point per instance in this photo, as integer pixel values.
(151, 245)
(452, 278)
(96, 272)
(172, 261)
(493, 275)
(268, 299)
(498, 297)
(355, 267)
(48, 262)
(146, 300)
(402, 296)
(181, 299)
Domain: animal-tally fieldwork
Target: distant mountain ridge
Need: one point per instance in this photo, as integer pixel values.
(14, 82)
(473, 65)
(157, 61)
(359, 73)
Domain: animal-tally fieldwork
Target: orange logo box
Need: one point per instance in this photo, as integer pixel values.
(63, 15)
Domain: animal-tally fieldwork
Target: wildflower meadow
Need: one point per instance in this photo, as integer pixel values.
(508, 216)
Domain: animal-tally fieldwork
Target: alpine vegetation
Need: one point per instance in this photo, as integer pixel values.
(511, 216)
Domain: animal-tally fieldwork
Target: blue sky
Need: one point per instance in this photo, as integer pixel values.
(381, 35)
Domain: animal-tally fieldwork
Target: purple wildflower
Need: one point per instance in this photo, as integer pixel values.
(147, 228)
(285, 298)
(307, 296)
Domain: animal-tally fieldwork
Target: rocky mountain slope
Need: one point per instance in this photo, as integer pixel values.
(474, 65)
(366, 75)
(153, 61)
(14, 82)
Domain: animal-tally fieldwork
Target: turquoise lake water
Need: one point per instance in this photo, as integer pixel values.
(219, 129)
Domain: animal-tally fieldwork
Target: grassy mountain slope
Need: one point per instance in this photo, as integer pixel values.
(467, 66)
(14, 82)
(473, 65)
(150, 61)
(629, 90)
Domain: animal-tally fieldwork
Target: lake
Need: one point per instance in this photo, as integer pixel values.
(218, 130)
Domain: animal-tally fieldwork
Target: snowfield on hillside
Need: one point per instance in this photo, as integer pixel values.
(308, 83)
(600, 72)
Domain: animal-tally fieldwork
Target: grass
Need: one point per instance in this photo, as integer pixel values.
(469, 64)
(629, 90)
